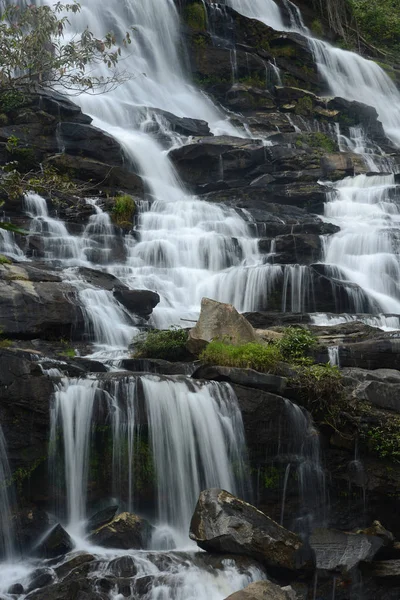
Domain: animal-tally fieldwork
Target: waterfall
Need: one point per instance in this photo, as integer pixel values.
(195, 432)
(7, 534)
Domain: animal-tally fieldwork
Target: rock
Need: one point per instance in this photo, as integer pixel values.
(243, 377)
(101, 279)
(219, 321)
(378, 530)
(374, 354)
(385, 569)
(157, 365)
(80, 139)
(182, 125)
(223, 523)
(126, 532)
(101, 518)
(32, 525)
(40, 579)
(79, 589)
(124, 566)
(140, 302)
(378, 393)
(297, 248)
(71, 565)
(261, 590)
(96, 171)
(33, 304)
(265, 320)
(56, 543)
(340, 551)
(17, 589)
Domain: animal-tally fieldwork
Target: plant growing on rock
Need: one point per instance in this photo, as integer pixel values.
(168, 344)
(34, 53)
(260, 357)
(123, 210)
(296, 343)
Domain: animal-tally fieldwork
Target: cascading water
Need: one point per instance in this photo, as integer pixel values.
(7, 537)
(195, 431)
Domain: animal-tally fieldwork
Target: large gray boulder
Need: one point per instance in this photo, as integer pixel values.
(263, 590)
(219, 321)
(222, 523)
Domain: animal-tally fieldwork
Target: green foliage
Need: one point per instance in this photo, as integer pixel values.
(317, 140)
(296, 343)
(317, 28)
(11, 100)
(254, 80)
(384, 440)
(35, 53)
(378, 21)
(304, 106)
(123, 210)
(271, 478)
(67, 351)
(195, 16)
(143, 465)
(4, 261)
(169, 344)
(23, 157)
(256, 356)
(47, 181)
(284, 51)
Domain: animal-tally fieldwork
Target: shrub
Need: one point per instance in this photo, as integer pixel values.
(4, 260)
(256, 356)
(167, 344)
(123, 210)
(296, 343)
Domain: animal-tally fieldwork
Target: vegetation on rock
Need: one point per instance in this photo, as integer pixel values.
(195, 16)
(260, 357)
(169, 344)
(123, 210)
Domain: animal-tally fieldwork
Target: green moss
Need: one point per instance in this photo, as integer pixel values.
(195, 16)
(166, 345)
(271, 478)
(3, 119)
(284, 51)
(143, 465)
(123, 211)
(254, 80)
(256, 356)
(317, 28)
(304, 106)
(4, 260)
(317, 140)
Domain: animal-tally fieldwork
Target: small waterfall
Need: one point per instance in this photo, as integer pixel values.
(196, 440)
(72, 415)
(7, 533)
(365, 250)
(8, 245)
(334, 356)
(305, 459)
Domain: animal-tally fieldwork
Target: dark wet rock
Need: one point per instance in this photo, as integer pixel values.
(182, 125)
(106, 584)
(101, 279)
(126, 532)
(90, 366)
(157, 365)
(203, 160)
(223, 523)
(17, 589)
(97, 172)
(380, 375)
(142, 585)
(219, 321)
(78, 589)
(373, 354)
(78, 139)
(385, 569)
(73, 563)
(340, 551)
(34, 303)
(39, 579)
(124, 566)
(139, 302)
(244, 377)
(56, 543)
(297, 248)
(101, 518)
(266, 320)
(262, 590)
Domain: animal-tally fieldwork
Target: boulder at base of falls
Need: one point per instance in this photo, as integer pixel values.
(263, 590)
(222, 523)
(126, 532)
(56, 543)
(102, 517)
(77, 589)
(341, 551)
(219, 321)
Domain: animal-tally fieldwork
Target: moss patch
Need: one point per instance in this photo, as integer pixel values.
(123, 210)
(167, 344)
(195, 16)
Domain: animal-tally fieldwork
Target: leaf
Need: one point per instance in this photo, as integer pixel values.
(13, 228)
